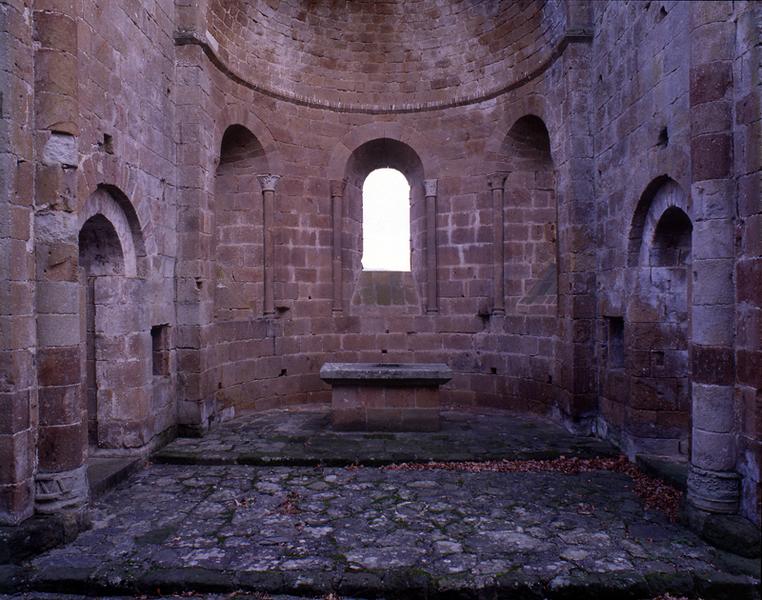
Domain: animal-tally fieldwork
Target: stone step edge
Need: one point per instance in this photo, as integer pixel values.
(389, 584)
(181, 458)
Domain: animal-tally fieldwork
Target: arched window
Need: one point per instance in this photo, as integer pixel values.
(386, 221)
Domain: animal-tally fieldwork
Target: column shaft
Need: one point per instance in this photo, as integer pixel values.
(713, 484)
(61, 481)
(337, 212)
(268, 183)
(432, 300)
(497, 185)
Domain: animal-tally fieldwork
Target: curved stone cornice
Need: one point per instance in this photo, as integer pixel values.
(192, 38)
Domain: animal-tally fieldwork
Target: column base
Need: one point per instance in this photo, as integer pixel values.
(61, 492)
(713, 491)
(39, 534)
(731, 533)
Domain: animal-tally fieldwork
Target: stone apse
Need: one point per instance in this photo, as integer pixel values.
(181, 221)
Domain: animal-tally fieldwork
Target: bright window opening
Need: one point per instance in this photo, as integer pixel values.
(386, 221)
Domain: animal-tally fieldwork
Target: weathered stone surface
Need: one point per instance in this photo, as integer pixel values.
(314, 531)
(408, 374)
(304, 437)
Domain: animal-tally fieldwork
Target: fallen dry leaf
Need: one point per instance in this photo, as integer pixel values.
(654, 493)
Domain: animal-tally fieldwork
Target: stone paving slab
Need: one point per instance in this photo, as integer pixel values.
(186, 595)
(370, 532)
(302, 437)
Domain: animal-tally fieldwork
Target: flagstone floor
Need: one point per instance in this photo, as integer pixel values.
(215, 526)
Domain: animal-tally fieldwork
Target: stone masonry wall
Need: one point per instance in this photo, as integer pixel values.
(180, 220)
(641, 114)
(127, 140)
(664, 161)
(278, 363)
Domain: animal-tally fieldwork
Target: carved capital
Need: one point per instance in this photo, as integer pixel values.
(268, 182)
(337, 187)
(430, 187)
(496, 180)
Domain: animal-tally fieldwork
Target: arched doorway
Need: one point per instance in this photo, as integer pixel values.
(100, 255)
(116, 343)
(657, 327)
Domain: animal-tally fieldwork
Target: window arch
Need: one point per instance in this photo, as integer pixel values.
(386, 221)
(357, 286)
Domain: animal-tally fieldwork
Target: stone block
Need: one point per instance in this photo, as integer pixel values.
(349, 419)
(711, 156)
(62, 447)
(14, 412)
(712, 365)
(649, 393)
(383, 419)
(713, 325)
(58, 297)
(714, 239)
(59, 405)
(714, 199)
(58, 366)
(713, 408)
(749, 367)
(713, 282)
(749, 279)
(56, 74)
(56, 330)
(17, 452)
(16, 502)
(713, 451)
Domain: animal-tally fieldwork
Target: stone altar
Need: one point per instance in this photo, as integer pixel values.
(385, 397)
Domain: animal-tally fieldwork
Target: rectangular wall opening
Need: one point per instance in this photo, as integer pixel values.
(160, 350)
(616, 342)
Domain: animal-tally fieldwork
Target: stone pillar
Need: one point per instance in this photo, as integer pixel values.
(713, 484)
(268, 183)
(18, 388)
(575, 373)
(337, 213)
(61, 481)
(496, 182)
(432, 300)
(190, 17)
(747, 137)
